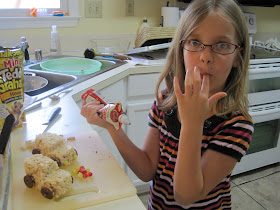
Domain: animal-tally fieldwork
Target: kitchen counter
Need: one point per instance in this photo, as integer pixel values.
(70, 120)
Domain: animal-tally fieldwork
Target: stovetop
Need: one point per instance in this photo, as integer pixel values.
(259, 52)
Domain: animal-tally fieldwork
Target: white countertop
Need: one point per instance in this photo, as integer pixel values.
(70, 119)
(132, 202)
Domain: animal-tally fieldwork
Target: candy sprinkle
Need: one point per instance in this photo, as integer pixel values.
(82, 172)
(74, 171)
(80, 175)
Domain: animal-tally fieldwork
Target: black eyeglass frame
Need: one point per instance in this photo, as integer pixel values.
(211, 45)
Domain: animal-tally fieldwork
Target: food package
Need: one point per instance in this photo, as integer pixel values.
(11, 85)
(111, 112)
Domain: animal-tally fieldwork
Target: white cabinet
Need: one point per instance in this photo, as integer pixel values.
(115, 92)
(140, 96)
(138, 115)
(136, 92)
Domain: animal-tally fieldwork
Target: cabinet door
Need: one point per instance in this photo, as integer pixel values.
(138, 116)
(140, 97)
(141, 86)
(114, 93)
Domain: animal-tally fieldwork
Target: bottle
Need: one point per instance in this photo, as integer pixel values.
(143, 25)
(55, 47)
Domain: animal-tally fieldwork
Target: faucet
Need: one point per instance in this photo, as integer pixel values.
(24, 47)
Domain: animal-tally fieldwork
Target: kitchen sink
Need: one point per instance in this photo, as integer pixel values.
(54, 80)
(60, 81)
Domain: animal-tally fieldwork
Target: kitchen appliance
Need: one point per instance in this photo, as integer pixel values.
(262, 3)
(251, 21)
(264, 97)
(170, 16)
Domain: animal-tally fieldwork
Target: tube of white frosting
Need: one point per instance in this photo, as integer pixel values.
(111, 112)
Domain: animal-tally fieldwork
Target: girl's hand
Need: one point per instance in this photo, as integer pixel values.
(89, 111)
(194, 105)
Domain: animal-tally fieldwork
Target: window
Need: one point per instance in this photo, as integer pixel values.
(16, 13)
(21, 8)
(30, 3)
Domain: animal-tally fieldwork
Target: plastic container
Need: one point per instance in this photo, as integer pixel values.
(72, 65)
(55, 47)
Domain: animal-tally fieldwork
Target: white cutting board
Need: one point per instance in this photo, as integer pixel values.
(109, 181)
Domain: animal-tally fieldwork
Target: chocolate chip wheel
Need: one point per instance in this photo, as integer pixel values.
(47, 192)
(56, 160)
(36, 151)
(29, 181)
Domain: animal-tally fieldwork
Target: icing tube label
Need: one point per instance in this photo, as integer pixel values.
(111, 112)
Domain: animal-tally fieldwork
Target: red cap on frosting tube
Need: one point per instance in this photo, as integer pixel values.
(111, 112)
(93, 95)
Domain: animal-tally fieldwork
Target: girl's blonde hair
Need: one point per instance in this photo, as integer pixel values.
(237, 82)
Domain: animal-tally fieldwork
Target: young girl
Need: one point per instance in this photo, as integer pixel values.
(199, 126)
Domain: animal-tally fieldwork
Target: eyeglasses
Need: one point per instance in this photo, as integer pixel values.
(220, 48)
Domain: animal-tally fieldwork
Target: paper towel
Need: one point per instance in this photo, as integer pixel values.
(170, 16)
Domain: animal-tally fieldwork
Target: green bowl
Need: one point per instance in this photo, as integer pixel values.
(72, 65)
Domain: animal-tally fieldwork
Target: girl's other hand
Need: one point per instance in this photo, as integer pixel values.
(194, 106)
